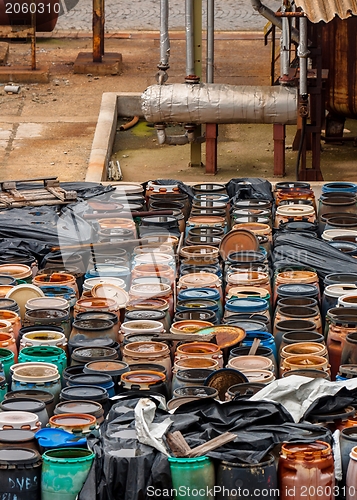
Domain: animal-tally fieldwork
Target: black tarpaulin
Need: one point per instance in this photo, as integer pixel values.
(260, 427)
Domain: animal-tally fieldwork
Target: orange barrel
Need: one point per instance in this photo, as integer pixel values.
(306, 471)
(199, 350)
(306, 362)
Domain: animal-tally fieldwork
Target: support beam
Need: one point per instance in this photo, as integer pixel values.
(98, 30)
(279, 134)
(211, 148)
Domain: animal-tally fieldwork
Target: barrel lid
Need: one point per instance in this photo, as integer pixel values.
(192, 374)
(82, 342)
(97, 315)
(202, 293)
(93, 324)
(339, 289)
(292, 289)
(50, 302)
(247, 304)
(18, 456)
(81, 406)
(144, 314)
(16, 436)
(90, 379)
(248, 325)
(92, 353)
(39, 395)
(23, 404)
(113, 367)
(7, 280)
(9, 304)
(88, 392)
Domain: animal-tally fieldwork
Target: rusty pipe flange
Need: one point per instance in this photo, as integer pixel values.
(192, 79)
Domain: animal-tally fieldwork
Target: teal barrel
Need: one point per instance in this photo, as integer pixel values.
(64, 471)
(7, 360)
(44, 354)
(191, 475)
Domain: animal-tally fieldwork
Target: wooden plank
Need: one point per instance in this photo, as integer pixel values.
(18, 31)
(212, 444)
(178, 444)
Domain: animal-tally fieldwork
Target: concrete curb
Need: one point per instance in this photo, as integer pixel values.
(114, 104)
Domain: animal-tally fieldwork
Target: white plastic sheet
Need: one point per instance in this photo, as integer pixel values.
(147, 432)
(298, 393)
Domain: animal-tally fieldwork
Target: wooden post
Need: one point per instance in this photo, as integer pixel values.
(97, 30)
(211, 148)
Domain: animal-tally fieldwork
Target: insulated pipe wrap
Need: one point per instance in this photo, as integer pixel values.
(219, 103)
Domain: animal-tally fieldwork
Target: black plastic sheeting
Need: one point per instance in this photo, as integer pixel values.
(36, 229)
(46, 224)
(246, 188)
(260, 427)
(331, 405)
(297, 249)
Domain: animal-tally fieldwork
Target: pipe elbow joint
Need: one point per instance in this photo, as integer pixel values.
(161, 134)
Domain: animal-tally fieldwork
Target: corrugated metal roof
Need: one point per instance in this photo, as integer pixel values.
(325, 10)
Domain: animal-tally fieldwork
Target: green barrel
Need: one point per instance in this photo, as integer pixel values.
(64, 472)
(192, 477)
(44, 354)
(7, 360)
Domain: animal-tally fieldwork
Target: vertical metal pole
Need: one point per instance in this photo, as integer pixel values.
(97, 30)
(197, 40)
(190, 49)
(303, 53)
(33, 41)
(272, 66)
(211, 128)
(210, 42)
(164, 35)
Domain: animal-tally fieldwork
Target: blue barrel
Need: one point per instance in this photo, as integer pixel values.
(203, 293)
(189, 304)
(93, 379)
(266, 340)
(247, 306)
(339, 187)
(62, 292)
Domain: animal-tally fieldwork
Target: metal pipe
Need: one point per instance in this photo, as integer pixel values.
(219, 103)
(285, 48)
(210, 42)
(177, 140)
(270, 15)
(190, 51)
(164, 36)
(303, 53)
